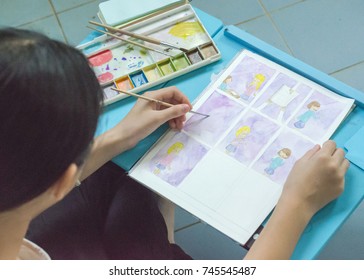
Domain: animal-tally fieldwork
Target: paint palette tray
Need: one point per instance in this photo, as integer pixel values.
(133, 68)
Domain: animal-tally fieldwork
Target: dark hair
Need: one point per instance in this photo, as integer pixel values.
(49, 105)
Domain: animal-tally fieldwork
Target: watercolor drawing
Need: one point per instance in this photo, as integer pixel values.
(239, 138)
(248, 137)
(282, 97)
(117, 62)
(311, 112)
(247, 79)
(317, 115)
(165, 162)
(279, 158)
(177, 159)
(222, 111)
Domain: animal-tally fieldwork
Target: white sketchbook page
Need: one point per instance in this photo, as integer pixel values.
(229, 169)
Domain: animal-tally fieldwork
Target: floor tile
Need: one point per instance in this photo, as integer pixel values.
(61, 5)
(202, 242)
(17, 12)
(353, 76)
(48, 26)
(328, 35)
(278, 4)
(263, 29)
(230, 11)
(183, 218)
(74, 22)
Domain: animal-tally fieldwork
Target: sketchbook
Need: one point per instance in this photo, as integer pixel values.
(229, 169)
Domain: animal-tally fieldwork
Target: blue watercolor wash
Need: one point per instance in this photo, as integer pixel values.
(138, 79)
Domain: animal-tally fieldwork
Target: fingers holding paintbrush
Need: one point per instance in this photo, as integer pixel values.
(161, 102)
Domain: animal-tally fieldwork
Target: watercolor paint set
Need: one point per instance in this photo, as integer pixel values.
(134, 68)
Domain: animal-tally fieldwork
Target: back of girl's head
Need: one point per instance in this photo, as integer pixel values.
(49, 106)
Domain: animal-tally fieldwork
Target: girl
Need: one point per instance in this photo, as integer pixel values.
(49, 106)
(50, 102)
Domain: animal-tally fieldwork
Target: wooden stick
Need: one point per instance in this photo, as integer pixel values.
(154, 100)
(138, 36)
(128, 41)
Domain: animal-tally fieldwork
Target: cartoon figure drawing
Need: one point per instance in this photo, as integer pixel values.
(253, 86)
(225, 87)
(240, 135)
(281, 98)
(278, 161)
(225, 84)
(166, 161)
(313, 107)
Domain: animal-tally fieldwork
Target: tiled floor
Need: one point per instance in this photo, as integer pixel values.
(327, 34)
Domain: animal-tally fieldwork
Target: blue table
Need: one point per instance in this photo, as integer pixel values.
(230, 40)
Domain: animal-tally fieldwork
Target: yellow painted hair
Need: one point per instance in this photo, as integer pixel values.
(242, 129)
(287, 151)
(313, 103)
(176, 147)
(260, 78)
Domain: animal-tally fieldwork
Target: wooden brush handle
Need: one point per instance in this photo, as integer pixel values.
(131, 34)
(130, 42)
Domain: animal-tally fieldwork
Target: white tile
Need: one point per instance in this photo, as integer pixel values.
(74, 22)
(326, 34)
(353, 76)
(263, 29)
(48, 26)
(278, 4)
(61, 5)
(18, 12)
(230, 11)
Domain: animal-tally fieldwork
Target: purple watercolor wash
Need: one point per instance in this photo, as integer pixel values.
(317, 115)
(177, 159)
(282, 97)
(247, 79)
(279, 158)
(248, 137)
(107, 67)
(124, 58)
(222, 111)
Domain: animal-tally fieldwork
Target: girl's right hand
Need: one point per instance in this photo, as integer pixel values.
(317, 178)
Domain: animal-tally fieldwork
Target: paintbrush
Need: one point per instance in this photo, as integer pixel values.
(155, 100)
(130, 42)
(139, 36)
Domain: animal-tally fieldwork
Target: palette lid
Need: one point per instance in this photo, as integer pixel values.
(116, 12)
